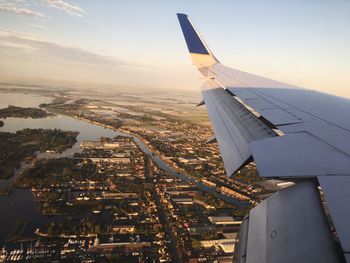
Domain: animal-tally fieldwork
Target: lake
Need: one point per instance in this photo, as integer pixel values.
(20, 205)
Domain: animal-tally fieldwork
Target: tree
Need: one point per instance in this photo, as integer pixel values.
(97, 229)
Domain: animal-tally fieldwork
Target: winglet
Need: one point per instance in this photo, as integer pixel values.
(201, 54)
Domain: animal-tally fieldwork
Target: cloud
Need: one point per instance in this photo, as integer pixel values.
(15, 9)
(9, 44)
(66, 7)
(19, 7)
(27, 57)
(57, 51)
(38, 26)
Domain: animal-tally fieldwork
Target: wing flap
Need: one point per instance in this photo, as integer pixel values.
(337, 195)
(279, 117)
(298, 155)
(234, 126)
(284, 229)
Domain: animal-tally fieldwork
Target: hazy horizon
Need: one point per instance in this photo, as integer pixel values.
(140, 44)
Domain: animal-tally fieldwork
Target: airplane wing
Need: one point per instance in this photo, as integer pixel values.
(292, 134)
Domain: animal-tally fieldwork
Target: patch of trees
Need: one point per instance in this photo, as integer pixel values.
(16, 147)
(83, 227)
(19, 112)
(48, 172)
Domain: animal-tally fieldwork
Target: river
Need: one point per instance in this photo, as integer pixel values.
(20, 205)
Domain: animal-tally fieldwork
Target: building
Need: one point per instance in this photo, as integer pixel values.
(109, 160)
(124, 229)
(234, 194)
(223, 220)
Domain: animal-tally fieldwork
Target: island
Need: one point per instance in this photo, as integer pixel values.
(19, 112)
(56, 171)
(19, 146)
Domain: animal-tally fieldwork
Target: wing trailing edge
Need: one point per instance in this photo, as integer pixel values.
(235, 127)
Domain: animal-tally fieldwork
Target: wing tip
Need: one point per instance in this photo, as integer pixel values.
(193, 40)
(181, 15)
(200, 52)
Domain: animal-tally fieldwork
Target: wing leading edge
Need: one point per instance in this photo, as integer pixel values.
(291, 133)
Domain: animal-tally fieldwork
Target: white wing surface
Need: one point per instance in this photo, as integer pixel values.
(292, 134)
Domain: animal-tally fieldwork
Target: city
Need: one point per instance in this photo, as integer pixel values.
(115, 198)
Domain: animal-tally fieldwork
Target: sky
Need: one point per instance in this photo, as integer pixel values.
(139, 44)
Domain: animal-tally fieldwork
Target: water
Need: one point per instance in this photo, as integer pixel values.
(165, 167)
(20, 205)
(23, 100)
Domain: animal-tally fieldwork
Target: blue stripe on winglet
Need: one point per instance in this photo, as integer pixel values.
(193, 41)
